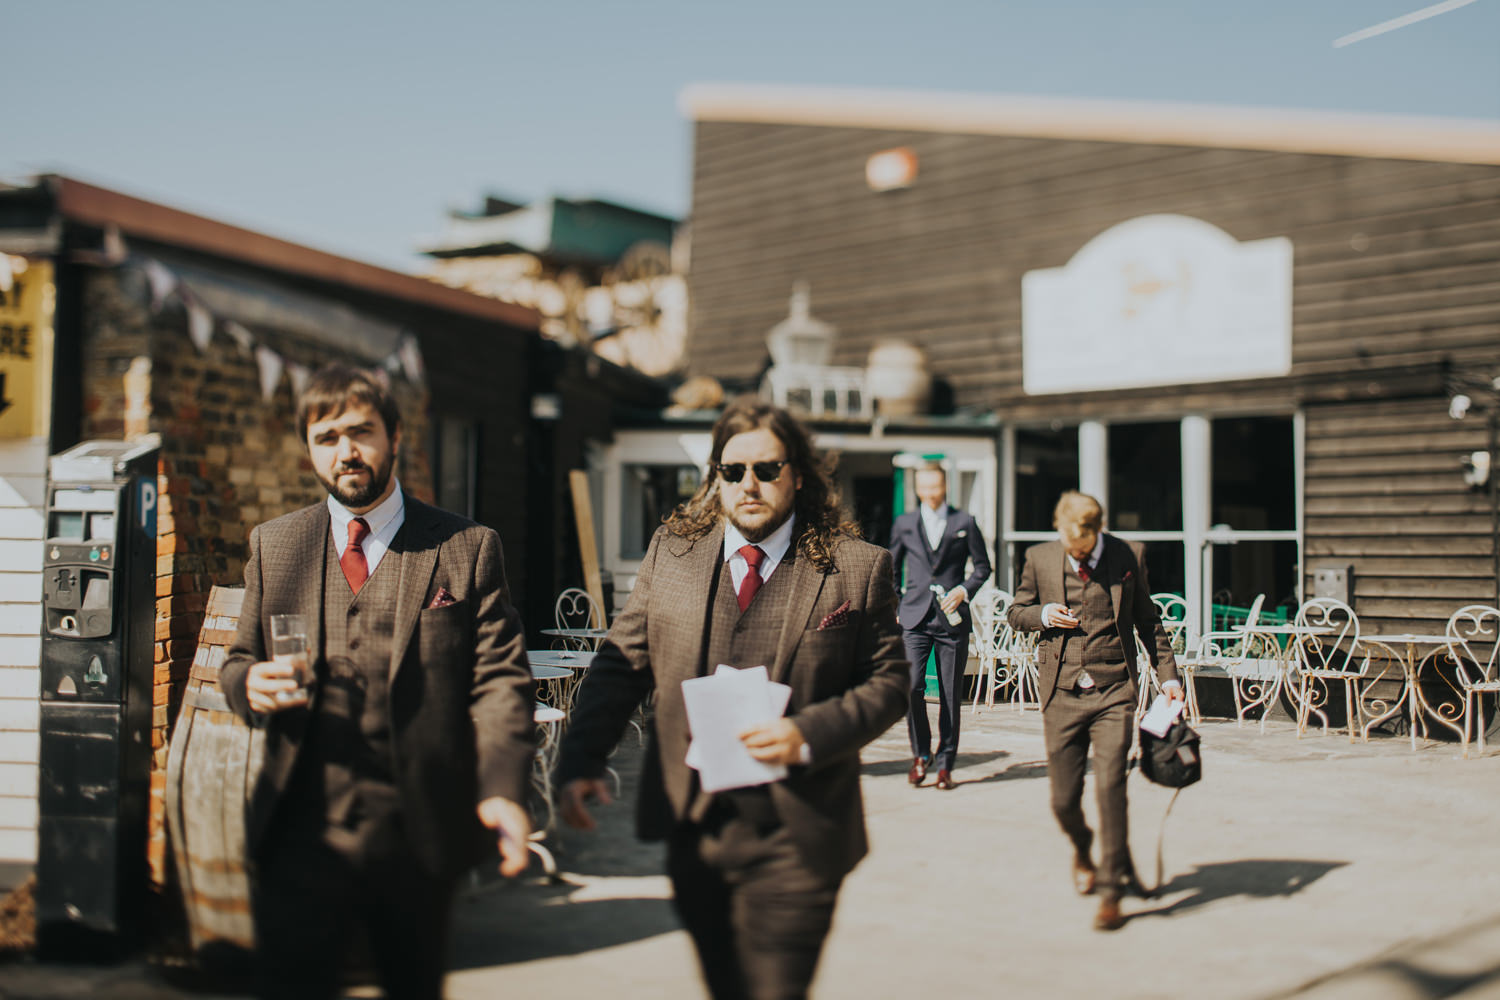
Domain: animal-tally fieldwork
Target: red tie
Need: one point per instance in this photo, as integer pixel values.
(356, 570)
(752, 581)
(1085, 570)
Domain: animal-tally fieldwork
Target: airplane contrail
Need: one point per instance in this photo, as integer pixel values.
(1400, 22)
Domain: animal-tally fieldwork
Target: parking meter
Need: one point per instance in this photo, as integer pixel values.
(98, 622)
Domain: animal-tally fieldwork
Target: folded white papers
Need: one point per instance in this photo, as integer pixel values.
(1164, 711)
(719, 708)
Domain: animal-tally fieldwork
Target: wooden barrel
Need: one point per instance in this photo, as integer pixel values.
(212, 764)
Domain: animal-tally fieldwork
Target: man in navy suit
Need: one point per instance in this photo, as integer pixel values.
(935, 542)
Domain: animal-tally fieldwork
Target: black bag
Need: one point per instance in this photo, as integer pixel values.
(1173, 760)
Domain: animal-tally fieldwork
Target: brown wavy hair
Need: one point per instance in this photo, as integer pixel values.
(821, 518)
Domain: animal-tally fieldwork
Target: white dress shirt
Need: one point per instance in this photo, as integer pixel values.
(384, 521)
(774, 546)
(935, 522)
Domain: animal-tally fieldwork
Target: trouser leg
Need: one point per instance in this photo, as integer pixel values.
(952, 656)
(408, 913)
(1110, 730)
(757, 915)
(303, 906)
(1065, 731)
(918, 646)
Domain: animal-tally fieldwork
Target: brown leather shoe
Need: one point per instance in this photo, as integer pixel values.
(1109, 917)
(945, 780)
(1084, 876)
(918, 771)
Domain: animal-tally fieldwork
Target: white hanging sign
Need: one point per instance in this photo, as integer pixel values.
(1158, 300)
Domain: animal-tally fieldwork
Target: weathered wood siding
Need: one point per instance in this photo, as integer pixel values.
(1383, 494)
(1396, 262)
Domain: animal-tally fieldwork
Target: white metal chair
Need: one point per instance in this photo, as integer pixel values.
(1247, 660)
(989, 633)
(575, 608)
(1474, 646)
(1321, 660)
(1172, 610)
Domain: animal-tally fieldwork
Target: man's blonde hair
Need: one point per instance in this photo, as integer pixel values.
(1078, 514)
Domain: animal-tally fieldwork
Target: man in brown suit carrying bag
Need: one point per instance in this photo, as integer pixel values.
(1088, 596)
(416, 731)
(759, 568)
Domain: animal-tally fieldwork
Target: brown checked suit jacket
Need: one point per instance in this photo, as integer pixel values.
(1135, 614)
(848, 686)
(461, 692)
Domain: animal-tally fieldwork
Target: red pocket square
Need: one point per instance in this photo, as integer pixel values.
(838, 616)
(442, 599)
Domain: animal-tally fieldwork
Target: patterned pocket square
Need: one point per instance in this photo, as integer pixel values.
(838, 616)
(442, 599)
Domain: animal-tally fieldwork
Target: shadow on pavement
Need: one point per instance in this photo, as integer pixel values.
(1258, 878)
(527, 923)
(884, 768)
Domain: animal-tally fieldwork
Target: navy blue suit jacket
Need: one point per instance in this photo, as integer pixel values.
(961, 542)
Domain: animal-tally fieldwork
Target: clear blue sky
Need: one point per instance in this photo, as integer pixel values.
(354, 126)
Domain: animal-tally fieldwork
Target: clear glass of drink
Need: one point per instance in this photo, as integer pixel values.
(289, 645)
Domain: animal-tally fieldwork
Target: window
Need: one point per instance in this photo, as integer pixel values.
(456, 454)
(1254, 477)
(651, 492)
(1046, 467)
(1145, 477)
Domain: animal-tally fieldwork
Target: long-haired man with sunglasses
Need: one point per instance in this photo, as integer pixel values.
(760, 567)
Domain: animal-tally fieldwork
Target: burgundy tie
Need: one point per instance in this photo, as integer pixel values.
(752, 581)
(1085, 570)
(356, 570)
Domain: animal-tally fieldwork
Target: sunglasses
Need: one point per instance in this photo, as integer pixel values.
(765, 472)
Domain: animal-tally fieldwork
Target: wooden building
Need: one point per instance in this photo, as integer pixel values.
(1243, 330)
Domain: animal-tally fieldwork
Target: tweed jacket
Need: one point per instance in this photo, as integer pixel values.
(960, 544)
(461, 692)
(1125, 576)
(848, 685)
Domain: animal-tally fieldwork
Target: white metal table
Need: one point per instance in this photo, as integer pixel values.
(1417, 708)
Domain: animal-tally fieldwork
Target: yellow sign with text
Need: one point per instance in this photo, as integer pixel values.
(26, 308)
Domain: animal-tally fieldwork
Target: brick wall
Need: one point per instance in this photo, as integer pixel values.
(229, 461)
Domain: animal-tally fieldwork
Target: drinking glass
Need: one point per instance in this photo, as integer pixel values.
(289, 646)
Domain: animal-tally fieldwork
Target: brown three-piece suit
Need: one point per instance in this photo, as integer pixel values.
(1113, 607)
(364, 811)
(755, 871)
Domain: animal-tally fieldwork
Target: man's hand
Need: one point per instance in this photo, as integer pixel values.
(952, 599)
(268, 679)
(574, 798)
(1059, 616)
(1173, 690)
(776, 742)
(510, 820)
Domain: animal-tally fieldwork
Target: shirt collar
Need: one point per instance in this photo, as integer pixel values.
(928, 514)
(376, 519)
(774, 545)
(1093, 556)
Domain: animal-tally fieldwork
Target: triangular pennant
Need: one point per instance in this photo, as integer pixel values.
(270, 365)
(300, 374)
(200, 324)
(241, 336)
(114, 245)
(410, 353)
(162, 281)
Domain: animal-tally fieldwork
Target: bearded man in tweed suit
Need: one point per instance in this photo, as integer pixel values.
(417, 732)
(759, 567)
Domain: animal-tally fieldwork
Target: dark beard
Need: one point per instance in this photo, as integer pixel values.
(365, 495)
(759, 533)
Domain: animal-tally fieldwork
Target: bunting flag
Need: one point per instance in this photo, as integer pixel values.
(299, 374)
(200, 324)
(165, 286)
(6, 278)
(270, 365)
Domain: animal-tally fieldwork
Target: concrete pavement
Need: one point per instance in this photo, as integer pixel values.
(1297, 867)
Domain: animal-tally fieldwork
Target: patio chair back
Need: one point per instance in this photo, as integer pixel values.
(1337, 651)
(576, 609)
(1474, 646)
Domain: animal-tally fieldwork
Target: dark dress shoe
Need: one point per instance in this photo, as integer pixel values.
(1109, 917)
(945, 780)
(1084, 876)
(918, 771)
(1134, 888)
